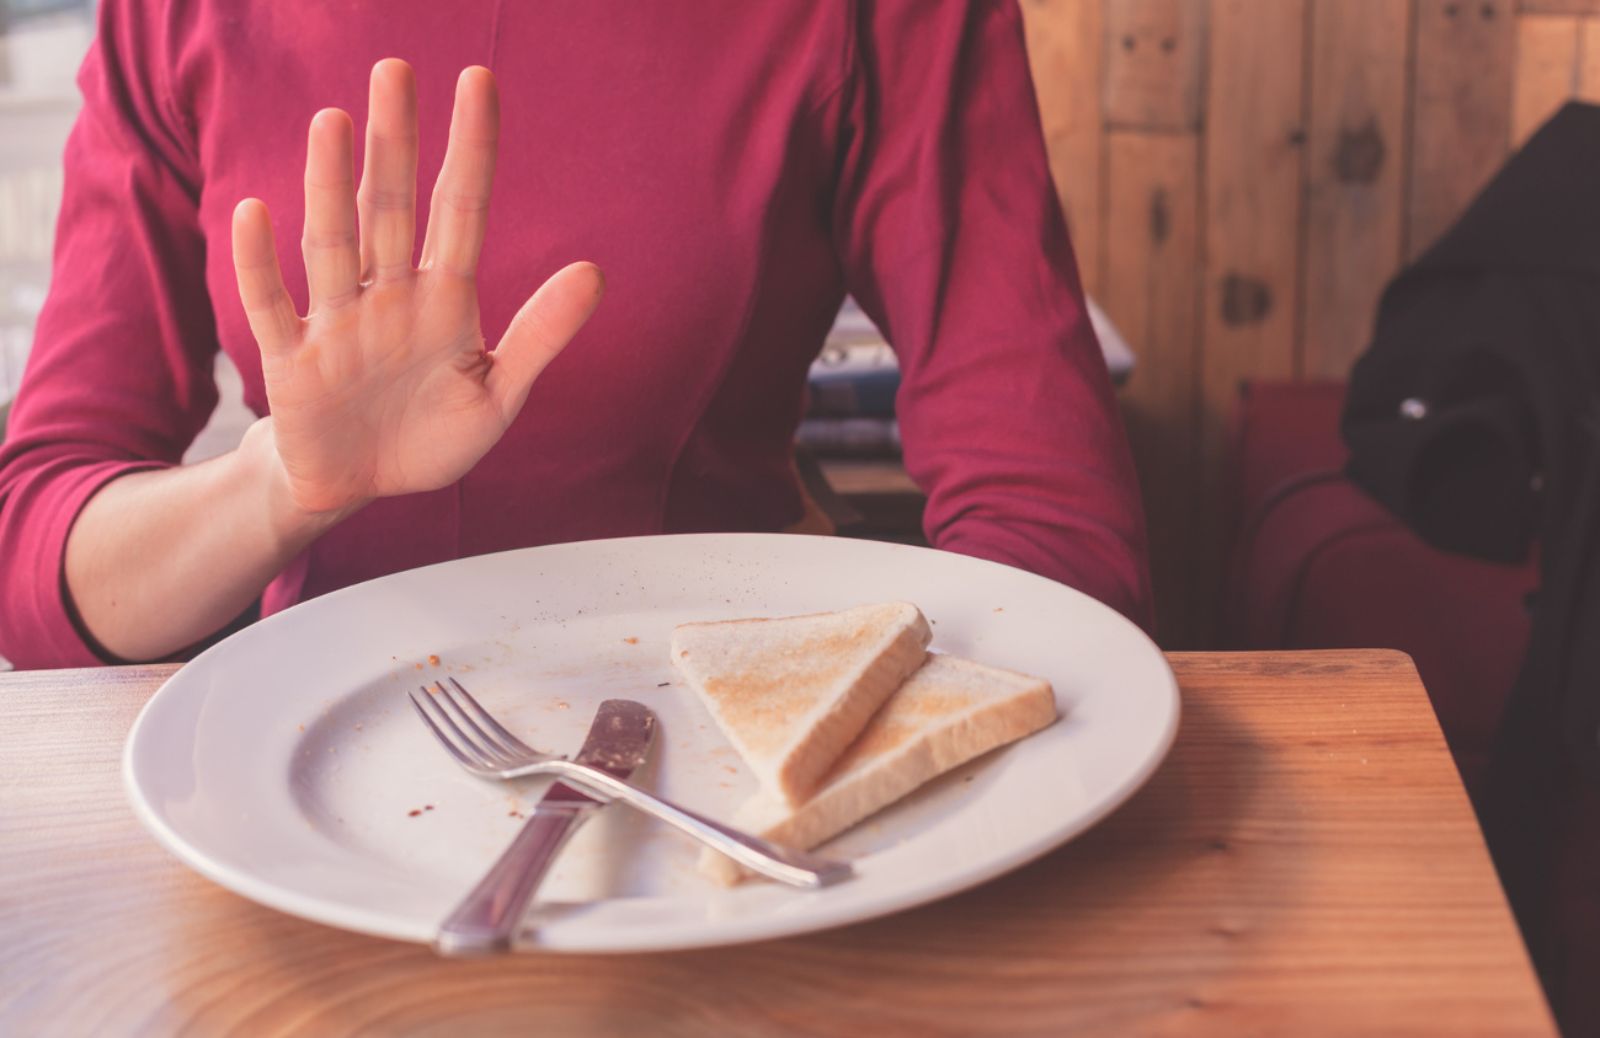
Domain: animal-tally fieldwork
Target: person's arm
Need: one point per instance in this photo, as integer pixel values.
(386, 386)
(953, 242)
(159, 559)
(119, 378)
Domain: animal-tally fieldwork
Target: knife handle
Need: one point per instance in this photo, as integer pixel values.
(486, 921)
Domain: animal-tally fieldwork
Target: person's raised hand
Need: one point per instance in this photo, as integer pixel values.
(386, 385)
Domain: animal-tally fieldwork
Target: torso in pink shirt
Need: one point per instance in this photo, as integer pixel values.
(733, 167)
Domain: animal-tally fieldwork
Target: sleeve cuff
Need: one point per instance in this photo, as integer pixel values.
(45, 631)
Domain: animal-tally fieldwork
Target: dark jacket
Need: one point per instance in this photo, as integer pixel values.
(1475, 416)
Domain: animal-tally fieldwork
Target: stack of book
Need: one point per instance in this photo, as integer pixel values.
(851, 389)
(854, 379)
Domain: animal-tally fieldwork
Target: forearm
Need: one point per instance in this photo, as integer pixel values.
(158, 560)
(384, 387)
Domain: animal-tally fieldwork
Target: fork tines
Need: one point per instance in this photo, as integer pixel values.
(475, 739)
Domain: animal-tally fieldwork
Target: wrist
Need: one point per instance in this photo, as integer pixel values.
(294, 525)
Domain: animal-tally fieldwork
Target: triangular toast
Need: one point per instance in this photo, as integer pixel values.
(791, 693)
(947, 713)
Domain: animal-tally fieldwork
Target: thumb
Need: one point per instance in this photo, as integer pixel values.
(544, 325)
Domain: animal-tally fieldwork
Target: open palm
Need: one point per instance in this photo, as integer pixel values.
(386, 386)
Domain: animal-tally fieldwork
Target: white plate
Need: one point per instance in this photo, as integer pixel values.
(285, 763)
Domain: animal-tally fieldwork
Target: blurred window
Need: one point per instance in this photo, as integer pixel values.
(42, 42)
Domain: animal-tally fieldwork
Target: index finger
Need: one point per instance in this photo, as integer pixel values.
(267, 305)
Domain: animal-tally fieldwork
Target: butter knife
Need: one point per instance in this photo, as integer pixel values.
(486, 921)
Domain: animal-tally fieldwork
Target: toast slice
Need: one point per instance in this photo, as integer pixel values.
(791, 693)
(947, 713)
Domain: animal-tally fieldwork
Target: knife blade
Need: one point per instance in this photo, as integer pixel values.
(619, 739)
(485, 922)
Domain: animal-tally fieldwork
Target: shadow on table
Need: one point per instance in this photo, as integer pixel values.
(1131, 921)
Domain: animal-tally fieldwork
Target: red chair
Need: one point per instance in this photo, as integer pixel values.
(1316, 563)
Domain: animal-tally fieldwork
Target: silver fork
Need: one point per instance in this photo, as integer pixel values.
(483, 746)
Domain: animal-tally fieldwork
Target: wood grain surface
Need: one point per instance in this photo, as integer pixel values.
(1589, 62)
(1548, 71)
(1355, 191)
(1461, 94)
(1064, 49)
(1155, 57)
(1304, 863)
(1559, 6)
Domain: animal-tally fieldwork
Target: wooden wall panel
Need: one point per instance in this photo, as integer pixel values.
(1560, 6)
(1153, 278)
(1253, 168)
(1065, 43)
(1589, 60)
(1155, 55)
(1355, 159)
(1253, 171)
(1547, 71)
(1461, 109)
(1253, 176)
(1331, 139)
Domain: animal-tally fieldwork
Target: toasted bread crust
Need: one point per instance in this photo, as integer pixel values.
(791, 693)
(799, 778)
(951, 711)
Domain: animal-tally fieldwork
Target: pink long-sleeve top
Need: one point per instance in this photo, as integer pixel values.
(734, 167)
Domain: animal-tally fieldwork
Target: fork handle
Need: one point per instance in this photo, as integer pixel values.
(486, 920)
(796, 868)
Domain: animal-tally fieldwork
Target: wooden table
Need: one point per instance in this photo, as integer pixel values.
(1304, 863)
